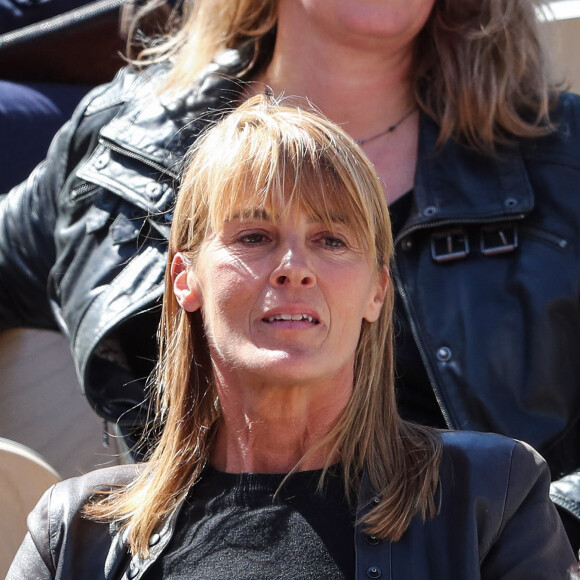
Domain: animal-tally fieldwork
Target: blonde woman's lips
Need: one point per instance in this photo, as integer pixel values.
(291, 315)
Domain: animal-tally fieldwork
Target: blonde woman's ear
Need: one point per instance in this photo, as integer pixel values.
(377, 298)
(185, 285)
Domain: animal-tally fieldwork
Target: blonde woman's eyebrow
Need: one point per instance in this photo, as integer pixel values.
(334, 219)
(247, 214)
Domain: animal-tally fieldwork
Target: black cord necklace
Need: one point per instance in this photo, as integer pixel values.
(388, 129)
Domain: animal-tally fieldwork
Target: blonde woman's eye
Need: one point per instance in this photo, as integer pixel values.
(333, 242)
(253, 238)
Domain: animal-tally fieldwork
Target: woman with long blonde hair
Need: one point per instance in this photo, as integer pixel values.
(276, 413)
(476, 148)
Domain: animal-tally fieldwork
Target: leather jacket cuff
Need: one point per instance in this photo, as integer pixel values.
(565, 493)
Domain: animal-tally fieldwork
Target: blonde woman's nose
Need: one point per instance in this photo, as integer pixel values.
(294, 270)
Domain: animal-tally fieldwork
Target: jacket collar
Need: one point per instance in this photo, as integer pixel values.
(454, 183)
(159, 128)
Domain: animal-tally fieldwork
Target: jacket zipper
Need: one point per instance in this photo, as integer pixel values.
(403, 294)
(455, 221)
(83, 190)
(539, 234)
(141, 158)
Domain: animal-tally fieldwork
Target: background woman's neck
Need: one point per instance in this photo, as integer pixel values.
(360, 86)
(365, 87)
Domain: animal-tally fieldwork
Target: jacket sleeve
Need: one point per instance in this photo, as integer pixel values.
(28, 218)
(33, 559)
(531, 542)
(61, 542)
(565, 493)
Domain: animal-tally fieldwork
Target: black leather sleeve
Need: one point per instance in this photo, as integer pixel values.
(28, 218)
(565, 493)
(27, 222)
(61, 542)
(34, 559)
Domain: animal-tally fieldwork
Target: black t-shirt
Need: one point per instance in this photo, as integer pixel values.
(237, 526)
(415, 398)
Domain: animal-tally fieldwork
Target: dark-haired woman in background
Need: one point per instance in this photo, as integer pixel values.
(478, 150)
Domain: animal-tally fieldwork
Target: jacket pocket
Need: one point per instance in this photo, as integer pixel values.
(549, 238)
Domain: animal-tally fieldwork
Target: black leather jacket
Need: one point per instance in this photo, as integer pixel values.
(495, 522)
(487, 266)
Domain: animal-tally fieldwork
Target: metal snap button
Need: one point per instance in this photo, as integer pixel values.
(101, 162)
(154, 539)
(407, 244)
(430, 211)
(372, 540)
(510, 202)
(153, 189)
(133, 570)
(444, 354)
(374, 572)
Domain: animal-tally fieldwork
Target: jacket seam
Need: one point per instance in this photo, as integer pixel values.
(51, 532)
(504, 507)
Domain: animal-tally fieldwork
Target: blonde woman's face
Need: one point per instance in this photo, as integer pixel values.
(282, 300)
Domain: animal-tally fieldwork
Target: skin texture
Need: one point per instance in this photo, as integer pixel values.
(282, 383)
(360, 76)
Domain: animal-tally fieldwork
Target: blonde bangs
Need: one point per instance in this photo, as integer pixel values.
(273, 162)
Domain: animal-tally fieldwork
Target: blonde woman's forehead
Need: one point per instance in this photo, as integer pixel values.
(265, 210)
